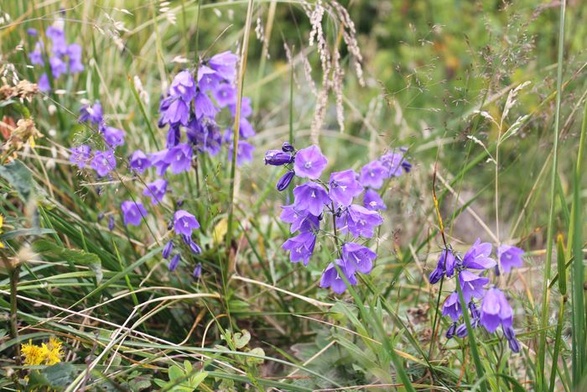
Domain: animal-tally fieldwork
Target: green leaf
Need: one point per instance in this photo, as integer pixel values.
(56, 377)
(259, 352)
(53, 252)
(19, 177)
(241, 339)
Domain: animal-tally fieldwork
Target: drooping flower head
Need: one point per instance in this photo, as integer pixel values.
(509, 257)
(331, 277)
(373, 174)
(156, 190)
(139, 162)
(358, 258)
(103, 162)
(477, 257)
(495, 311)
(184, 223)
(301, 247)
(80, 155)
(133, 212)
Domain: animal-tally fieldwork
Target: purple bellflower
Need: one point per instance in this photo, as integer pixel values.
(344, 187)
(372, 201)
(113, 137)
(310, 197)
(332, 278)
(278, 158)
(179, 158)
(373, 174)
(509, 257)
(359, 221)
(174, 262)
(132, 212)
(301, 247)
(156, 190)
(495, 311)
(80, 155)
(357, 258)
(139, 162)
(103, 162)
(300, 220)
(184, 223)
(310, 162)
(477, 257)
(452, 307)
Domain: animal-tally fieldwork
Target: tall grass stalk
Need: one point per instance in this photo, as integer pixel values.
(544, 325)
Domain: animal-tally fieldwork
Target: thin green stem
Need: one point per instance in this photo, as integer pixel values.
(541, 385)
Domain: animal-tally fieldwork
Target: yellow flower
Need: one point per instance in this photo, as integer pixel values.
(47, 354)
(54, 351)
(33, 355)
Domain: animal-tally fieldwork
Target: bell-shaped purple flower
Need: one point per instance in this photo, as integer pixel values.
(309, 162)
(159, 161)
(244, 152)
(372, 201)
(80, 155)
(360, 221)
(139, 162)
(477, 257)
(300, 220)
(224, 94)
(301, 247)
(472, 285)
(132, 212)
(344, 187)
(113, 137)
(74, 52)
(179, 158)
(452, 307)
(204, 107)
(495, 311)
(224, 64)
(373, 174)
(184, 223)
(509, 257)
(332, 278)
(395, 164)
(197, 271)
(103, 162)
(358, 258)
(174, 111)
(91, 113)
(183, 86)
(310, 197)
(156, 190)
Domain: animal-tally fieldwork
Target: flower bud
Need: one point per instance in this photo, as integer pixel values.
(277, 158)
(286, 147)
(167, 249)
(285, 180)
(197, 271)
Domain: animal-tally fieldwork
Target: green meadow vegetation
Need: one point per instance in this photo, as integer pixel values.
(293, 195)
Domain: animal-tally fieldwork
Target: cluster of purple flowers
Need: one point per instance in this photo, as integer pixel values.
(494, 309)
(63, 57)
(314, 199)
(196, 104)
(103, 162)
(193, 110)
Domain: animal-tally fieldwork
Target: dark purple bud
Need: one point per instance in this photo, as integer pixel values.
(197, 271)
(509, 333)
(179, 203)
(462, 331)
(450, 333)
(285, 180)
(174, 262)
(286, 147)
(100, 216)
(194, 248)
(278, 158)
(170, 225)
(407, 166)
(167, 249)
(436, 275)
(514, 345)
(111, 223)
